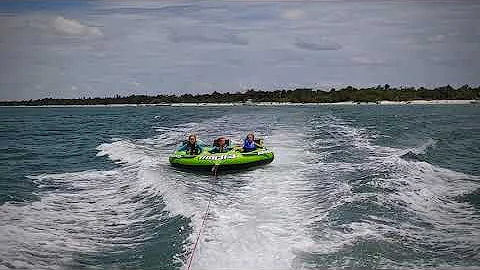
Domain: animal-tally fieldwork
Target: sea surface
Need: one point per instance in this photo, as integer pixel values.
(351, 186)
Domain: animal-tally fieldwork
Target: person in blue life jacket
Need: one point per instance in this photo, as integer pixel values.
(249, 143)
(191, 147)
(220, 145)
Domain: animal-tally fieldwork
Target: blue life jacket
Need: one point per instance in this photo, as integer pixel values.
(249, 146)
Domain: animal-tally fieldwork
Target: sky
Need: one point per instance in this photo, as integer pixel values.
(74, 49)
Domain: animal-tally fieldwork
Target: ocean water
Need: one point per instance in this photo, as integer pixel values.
(352, 186)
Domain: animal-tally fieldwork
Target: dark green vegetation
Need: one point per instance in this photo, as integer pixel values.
(372, 94)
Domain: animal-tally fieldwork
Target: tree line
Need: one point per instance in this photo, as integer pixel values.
(299, 95)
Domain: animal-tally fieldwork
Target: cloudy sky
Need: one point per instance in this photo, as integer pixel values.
(102, 48)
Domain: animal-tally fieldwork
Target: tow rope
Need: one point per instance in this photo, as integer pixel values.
(204, 218)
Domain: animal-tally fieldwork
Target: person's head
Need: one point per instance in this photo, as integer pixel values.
(192, 139)
(221, 141)
(250, 136)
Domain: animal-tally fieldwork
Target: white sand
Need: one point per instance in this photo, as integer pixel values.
(430, 102)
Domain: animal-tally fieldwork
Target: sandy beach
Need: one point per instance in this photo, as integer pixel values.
(424, 102)
(230, 104)
(431, 102)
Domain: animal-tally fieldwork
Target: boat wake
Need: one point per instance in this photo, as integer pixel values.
(393, 204)
(331, 198)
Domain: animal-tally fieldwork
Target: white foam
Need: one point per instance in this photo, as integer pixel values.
(63, 222)
(425, 191)
(259, 224)
(90, 211)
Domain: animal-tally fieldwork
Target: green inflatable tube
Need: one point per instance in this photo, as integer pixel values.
(229, 161)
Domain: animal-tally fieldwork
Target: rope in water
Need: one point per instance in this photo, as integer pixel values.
(204, 219)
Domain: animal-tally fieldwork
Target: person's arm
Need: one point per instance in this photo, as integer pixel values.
(259, 145)
(243, 143)
(238, 148)
(183, 147)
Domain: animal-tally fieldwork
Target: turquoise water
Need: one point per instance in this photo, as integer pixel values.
(360, 186)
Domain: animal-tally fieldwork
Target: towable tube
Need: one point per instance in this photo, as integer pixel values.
(229, 161)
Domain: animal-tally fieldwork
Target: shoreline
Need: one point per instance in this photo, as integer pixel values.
(384, 102)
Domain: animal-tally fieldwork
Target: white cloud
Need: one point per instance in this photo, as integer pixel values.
(135, 83)
(75, 28)
(293, 14)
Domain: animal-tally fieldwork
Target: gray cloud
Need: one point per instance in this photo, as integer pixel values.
(214, 36)
(317, 44)
(365, 60)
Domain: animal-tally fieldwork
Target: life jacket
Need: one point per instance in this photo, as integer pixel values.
(249, 146)
(192, 149)
(216, 147)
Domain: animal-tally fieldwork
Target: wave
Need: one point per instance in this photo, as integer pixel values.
(391, 198)
(472, 198)
(419, 153)
(93, 212)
